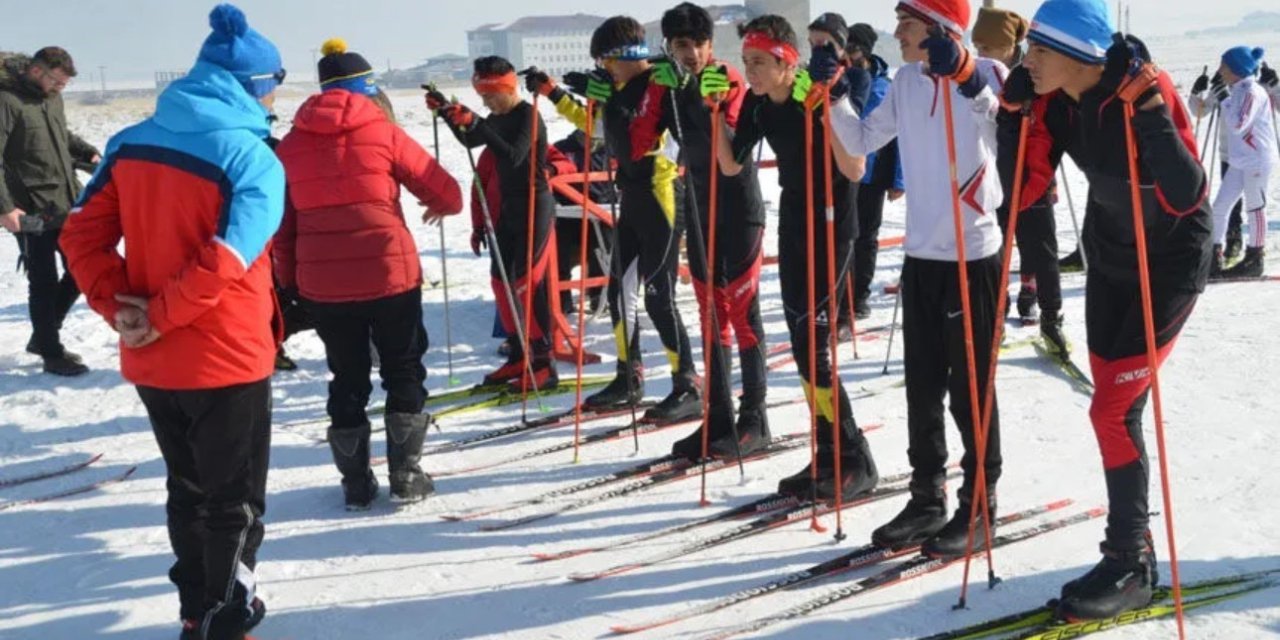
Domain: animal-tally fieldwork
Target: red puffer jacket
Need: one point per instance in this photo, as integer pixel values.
(344, 237)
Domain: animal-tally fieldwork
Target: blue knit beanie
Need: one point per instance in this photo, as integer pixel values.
(1080, 29)
(1243, 61)
(251, 58)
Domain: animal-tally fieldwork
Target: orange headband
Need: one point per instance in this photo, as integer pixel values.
(505, 83)
(781, 50)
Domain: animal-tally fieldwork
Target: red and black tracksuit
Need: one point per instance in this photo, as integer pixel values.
(740, 220)
(1177, 221)
(506, 138)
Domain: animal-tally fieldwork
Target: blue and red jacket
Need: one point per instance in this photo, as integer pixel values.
(196, 195)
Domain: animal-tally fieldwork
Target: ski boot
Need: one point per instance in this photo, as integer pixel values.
(1235, 241)
(1027, 305)
(406, 433)
(1250, 266)
(1121, 581)
(683, 403)
(924, 516)
(753, 433)
(1071, 263)
(34, 350)
(949, 542)
(861, 308)
(625, 390)
(1051, 332)
(544, 373)
(1216, 264)
(512, 369)
(62, 365)
(720, 423)
(350, 448)
(858, 473)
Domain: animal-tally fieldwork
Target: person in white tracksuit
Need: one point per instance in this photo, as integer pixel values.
(935, 361)
(1251, 148)
(1205, 100)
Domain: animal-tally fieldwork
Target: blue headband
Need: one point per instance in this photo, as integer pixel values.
(362, 84)
(630, 52)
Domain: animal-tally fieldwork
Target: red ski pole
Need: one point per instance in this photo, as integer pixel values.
(582, 275)
(979, 499)
(1153, 359)
(1015, 206)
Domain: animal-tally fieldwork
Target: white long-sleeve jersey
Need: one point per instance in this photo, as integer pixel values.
(1247, 121)
(912, 112)
(1203, 105)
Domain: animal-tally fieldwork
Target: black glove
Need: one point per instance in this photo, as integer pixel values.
(824, 63)
(478, 240)
(1019, 88)
(1219, 87)
(1200, 84)
(1123, 58)
(949, 59)
(1268, 77)
(858, 80)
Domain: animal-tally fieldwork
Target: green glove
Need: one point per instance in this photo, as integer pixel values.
(599, 87)
(665, 74)
(800, 90)
(714, 81)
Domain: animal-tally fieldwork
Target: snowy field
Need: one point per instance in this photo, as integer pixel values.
(94, 565)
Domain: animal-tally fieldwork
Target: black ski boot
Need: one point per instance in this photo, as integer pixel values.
(350, 449)
(949, 542)
(1071, 263)
(619, 392)
(683, 403)
(1027, 305)
(1122, 581)
(753, 433)
(1216, 264)
(1250, 266)
(1235, 241)
(858, 473)
(861, 308)
(1051, 332)
(257, 611)
(34, 350)
(924, 515)
(720, 423)
(405, 435)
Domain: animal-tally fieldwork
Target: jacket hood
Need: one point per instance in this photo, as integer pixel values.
(209, 98)
(879, 68)
(13, 69)
(336, 111)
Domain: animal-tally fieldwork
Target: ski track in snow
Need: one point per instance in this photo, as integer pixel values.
(94, 565)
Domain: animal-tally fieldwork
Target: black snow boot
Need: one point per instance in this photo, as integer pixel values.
(350, 448)
(1071, 263)
(1051, 332)
(64, 365)
(34, 350)
(406, 433)
(1250, 266)
(683, 403)
(1121, 581)
(924, 515)
(861, 308)
(949, 542)
(620, 392)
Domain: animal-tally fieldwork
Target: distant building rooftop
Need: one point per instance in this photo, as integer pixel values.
(575, 22)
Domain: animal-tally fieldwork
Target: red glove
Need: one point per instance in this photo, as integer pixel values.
(459, 116)
(478, 241)
(436, 100)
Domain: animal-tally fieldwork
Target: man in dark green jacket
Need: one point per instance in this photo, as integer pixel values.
(38, 156)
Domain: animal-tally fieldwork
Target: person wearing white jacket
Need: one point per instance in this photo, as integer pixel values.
(1251, 147)
(1206, 98)
(935, 359)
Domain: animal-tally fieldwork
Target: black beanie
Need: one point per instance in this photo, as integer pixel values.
(834, 25)
(862, 37)
(338, 64)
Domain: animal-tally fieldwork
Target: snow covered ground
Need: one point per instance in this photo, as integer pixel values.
(94, 565)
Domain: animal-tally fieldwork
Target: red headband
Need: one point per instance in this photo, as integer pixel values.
(505, 83)
(760, 41)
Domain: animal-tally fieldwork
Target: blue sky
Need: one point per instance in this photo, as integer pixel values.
(133, 38)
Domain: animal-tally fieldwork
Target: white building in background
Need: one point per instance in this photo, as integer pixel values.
(555, 44)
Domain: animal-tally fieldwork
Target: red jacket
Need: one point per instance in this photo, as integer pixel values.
(195, 195)
(344, 237)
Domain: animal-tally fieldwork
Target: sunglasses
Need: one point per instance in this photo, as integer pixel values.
(279, 76)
